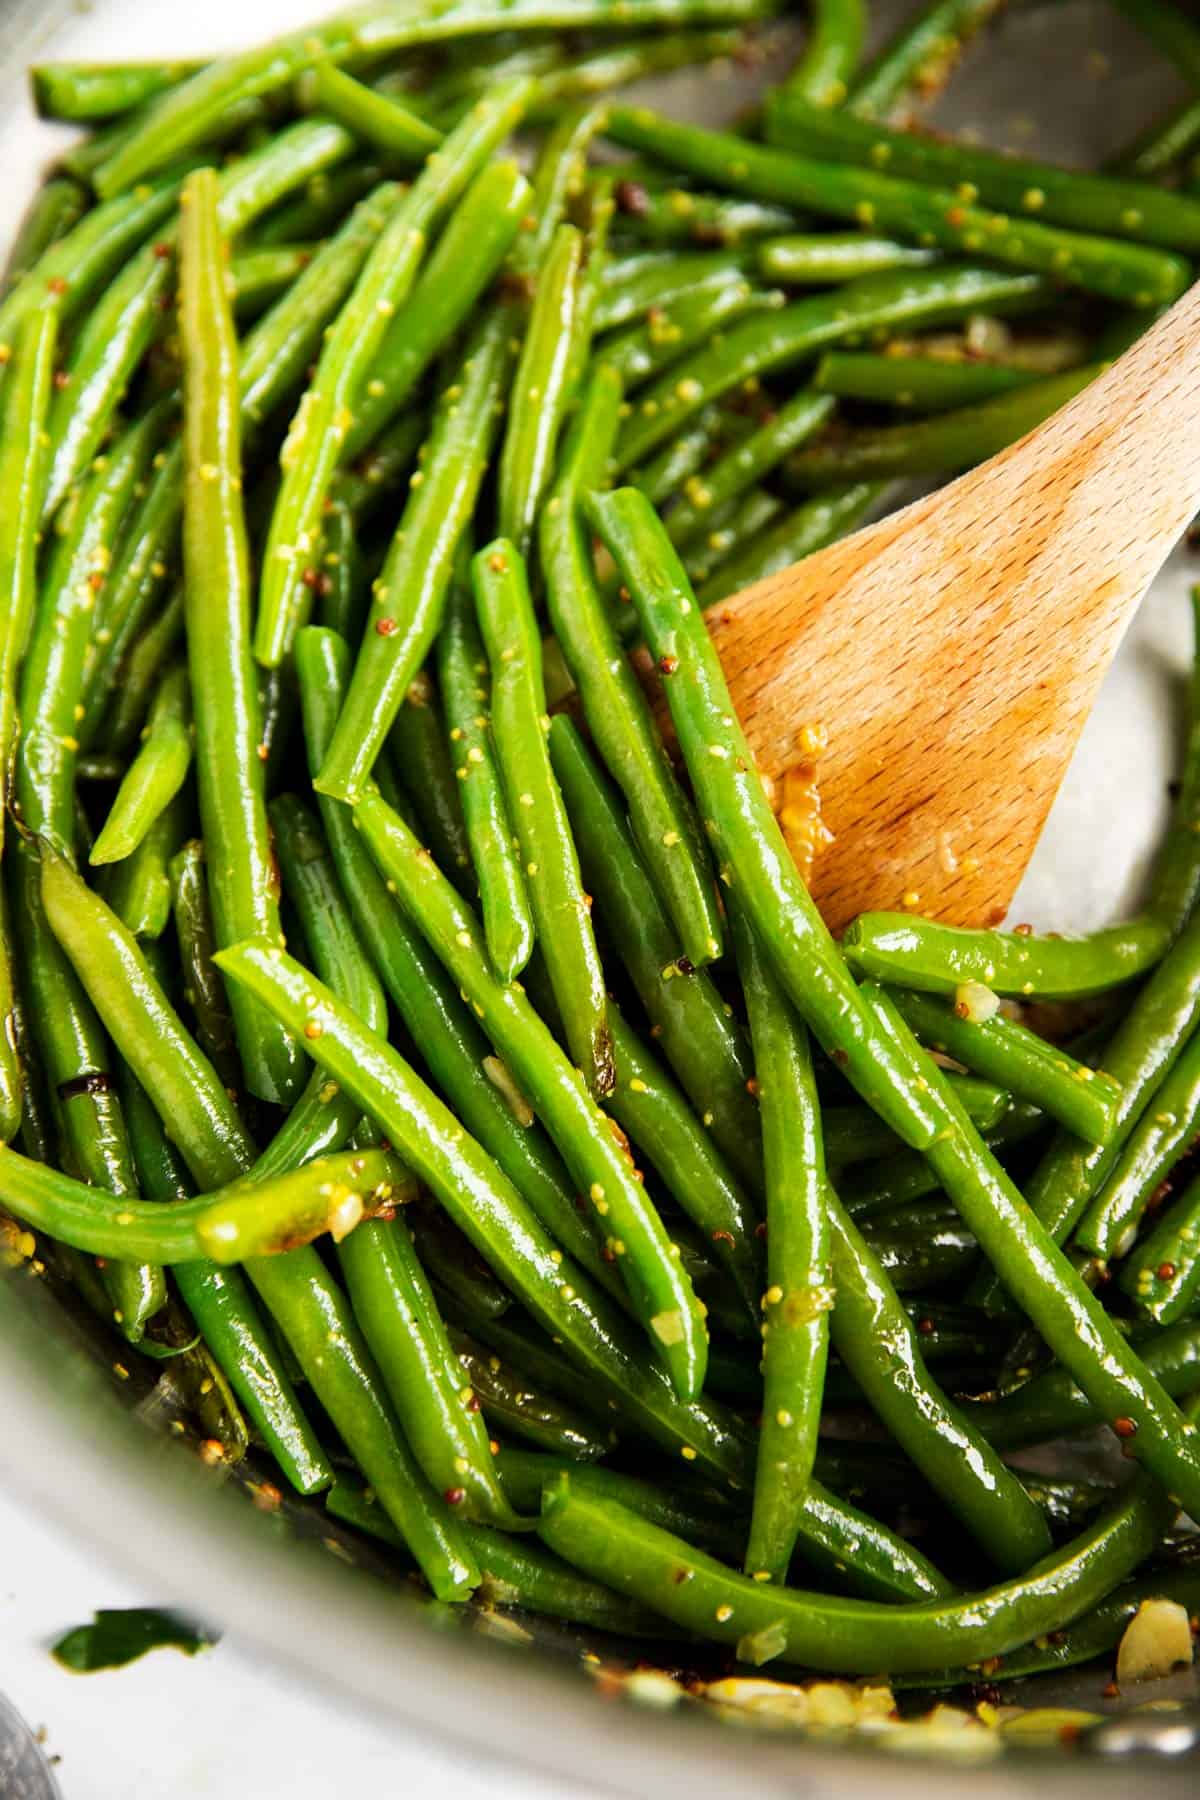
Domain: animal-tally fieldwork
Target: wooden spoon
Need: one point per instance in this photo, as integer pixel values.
(953, 651)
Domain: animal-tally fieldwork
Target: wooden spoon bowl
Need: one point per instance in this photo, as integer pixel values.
(952, 651)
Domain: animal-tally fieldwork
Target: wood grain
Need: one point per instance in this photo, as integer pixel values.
(953, 651)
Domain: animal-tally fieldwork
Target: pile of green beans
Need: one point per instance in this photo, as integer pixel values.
(365, 430)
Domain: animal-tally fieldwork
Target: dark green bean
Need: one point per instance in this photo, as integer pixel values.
(535, 806)
(1162, 1273)
(921, 384)
(850, 1636)
(421, 759)
(410, 593)
(800, 1294)
(937, 446)
(478, 236)
(729, 478)
(54, 210)
(621, 721)
(1161, 1136)
(229, 770)
(321, 422)
(776, 340)
(513, 1403)
(817, 522)
(1050, 1405)
(1083, 202)
(488, 1210)
(74, 1053)
(156, 774)
(1083, 1099)
(1042, 1281)
(453, 1046)
(704, 1045)
(465, 682)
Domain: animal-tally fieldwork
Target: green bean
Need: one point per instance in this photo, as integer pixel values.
(319, 427)
(920, 58)
(704, 1045)
(877, 1342)
(747, 463)
(1081, 202)
(156, 773)
(478, 236)
(23, 411)
(466, 689)
(421, 758)
(833, 1536)
(535, 806)
(301, 1296)
(621, 721)
(220, 1302)
(452, 1044)
(229, 770)
(652, 280)
(1083, 1099)
(342, 594)
(1050, 1405)
(707, 1519)
(540, 390)
(850, 1636)
(259, 277)
(314, 1316)
(746, 837)
(185, 116)
(938, 446)
(800, 1293)
(1042, 1281)
(709, 435)
(52, 673)
(395, 1306)
(654, 1114)
(143, 668)
(374, 118)
(677, 215)
(923, 384)
(312, 887)
(487, 1209)
(937, 959)
(1099, 1630)
(74, 1053)
(825, 258)
(1160, 1137)
(924, 1252)
(410, 594)
(77, 90)
(54, 210)
(1156, 150)
(14, 1075)
(758, 345)
(82, 262)
(457, 1269)
(648, 347)
(138, 889)
(121, 328)
(1161, 1275)
(321, 205)
(897, 1180)
(513, 1403)
(514, 1574)
(203, 988)
(1115, 268)
(735, 525)
(817, 522)
(831, 54)
(266, 1218)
